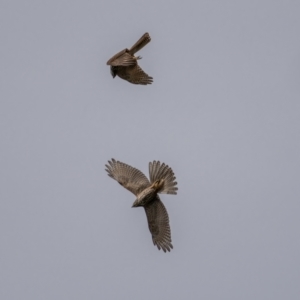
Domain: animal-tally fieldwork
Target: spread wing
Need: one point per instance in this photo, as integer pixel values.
(142, 42)
(123, 58)
(137, 76)
(130, 178)
(158, 222)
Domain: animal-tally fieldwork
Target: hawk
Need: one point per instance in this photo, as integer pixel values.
(162, 181)
(124, 64)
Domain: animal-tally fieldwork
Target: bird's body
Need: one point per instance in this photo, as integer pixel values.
(145, 197)
(162, 180)
(149, 194)
(124, 64)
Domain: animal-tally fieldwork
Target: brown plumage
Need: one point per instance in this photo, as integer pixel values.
(162, 180)
(124, 64)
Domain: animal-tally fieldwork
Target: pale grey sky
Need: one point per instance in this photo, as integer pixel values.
(223, 112)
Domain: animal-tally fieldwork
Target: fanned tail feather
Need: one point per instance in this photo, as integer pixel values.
(158, 171)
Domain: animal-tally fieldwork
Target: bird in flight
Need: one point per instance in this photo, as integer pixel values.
(124, 64)
(162, 181)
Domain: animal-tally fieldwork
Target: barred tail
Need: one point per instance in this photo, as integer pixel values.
(142, 42)
(163, 172)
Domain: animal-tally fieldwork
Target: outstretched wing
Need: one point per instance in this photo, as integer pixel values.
(136, 75)
(123, 58)
(130, 178)
(158, 222)
(142, 42)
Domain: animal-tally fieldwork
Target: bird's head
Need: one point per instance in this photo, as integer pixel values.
(113, 71)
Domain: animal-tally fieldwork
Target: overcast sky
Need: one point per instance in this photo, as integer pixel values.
(223, 112)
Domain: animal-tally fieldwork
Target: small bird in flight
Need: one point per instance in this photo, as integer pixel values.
(162, 181)
(124, 64)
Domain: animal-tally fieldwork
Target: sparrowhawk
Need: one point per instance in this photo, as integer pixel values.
(162, 181)
(124, 64)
